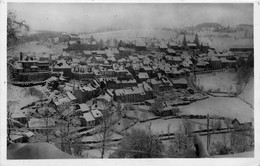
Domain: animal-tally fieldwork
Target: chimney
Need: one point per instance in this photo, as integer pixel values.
(21, 56)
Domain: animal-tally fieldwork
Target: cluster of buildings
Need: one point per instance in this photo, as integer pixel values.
(64, 37)
(30, 68)
(108, 75)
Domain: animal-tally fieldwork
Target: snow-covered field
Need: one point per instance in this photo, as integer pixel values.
(131, 34)
(216, 41)
(159, 126)
(122, 124)
(221, 106)
(213, 39)
(34, 47)
(225, 81)
(141, 115)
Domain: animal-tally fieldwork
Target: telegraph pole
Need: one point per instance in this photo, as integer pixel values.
(208, 142)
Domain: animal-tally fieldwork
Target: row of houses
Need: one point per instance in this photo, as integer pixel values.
(138, 93)
(87, 92)
(64, 37)
(165, 84)
(98, 64)
(142, 45)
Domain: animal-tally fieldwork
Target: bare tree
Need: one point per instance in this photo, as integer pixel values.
(182, 142)
(108, 42)
(115, 41)
(101, 44)
(77, 147)
(14, 26)
(188, 126)
(157, 106)
(67, 121)
(105, 132)
(45, 113)
(140, 144)
(241, 139)
(10, 121)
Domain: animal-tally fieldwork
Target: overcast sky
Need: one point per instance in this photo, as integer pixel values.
(78, 17)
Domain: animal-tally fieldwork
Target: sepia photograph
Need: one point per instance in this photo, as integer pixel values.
(129, 80)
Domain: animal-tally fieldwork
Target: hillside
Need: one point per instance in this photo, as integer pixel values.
(208, 25)
(17, 95)
(218, 40)
(131, 34)
(34, 47)
(214, 39)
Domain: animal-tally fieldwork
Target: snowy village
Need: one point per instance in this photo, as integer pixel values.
(115, 92)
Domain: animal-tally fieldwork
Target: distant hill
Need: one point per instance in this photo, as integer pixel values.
(245, 25)
(131, 34)
(209, 25)
(203, 26)
(32, 32)
(38, 35)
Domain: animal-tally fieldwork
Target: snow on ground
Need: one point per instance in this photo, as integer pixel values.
(141, 115)
(214, 40)
(122, 124)
(159, 126)
(226, 81)
(214, 138)
(144, 107)
(60, 46)
(248, 92)
(96, 137)
(18, 95)
(131, 34)
(95, 153)
(221, 106)
(201, 124)
(34, 47)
